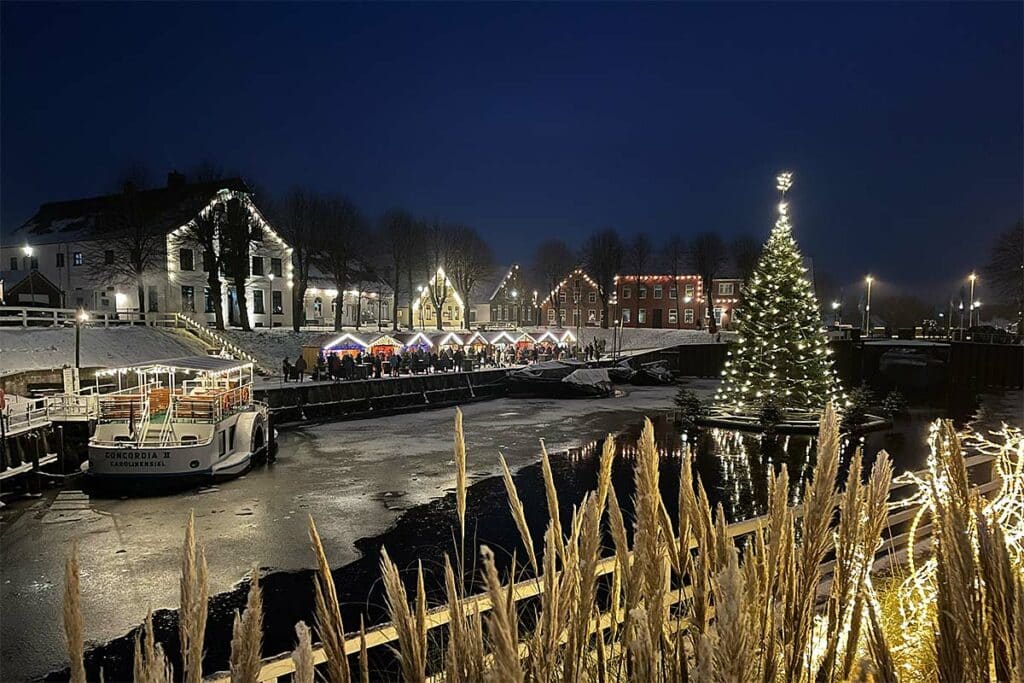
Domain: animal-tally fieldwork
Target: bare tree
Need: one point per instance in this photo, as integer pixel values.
(602, 259)
(301, 221)
(552, 261)
(131, 248)
(437, 254)
(707, 256)
(746, 252)
(240, 231)
(416, 240)
(470, 260)
(638, 255)
(673, 258)
(203, 232)
(395, 237)
(1005, 269)
(337, 254)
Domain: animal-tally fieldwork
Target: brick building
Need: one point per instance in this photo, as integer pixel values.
(574, 303)
(675, 302)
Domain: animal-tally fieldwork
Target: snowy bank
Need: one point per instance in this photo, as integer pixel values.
(53, 347)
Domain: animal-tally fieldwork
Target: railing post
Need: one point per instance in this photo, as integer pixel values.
(24, 317)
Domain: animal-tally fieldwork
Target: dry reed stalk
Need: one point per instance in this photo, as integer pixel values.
(544, 648)
(819, 506)
(552, 497)
(364, 656)
(247, 636)
(733, 655)
(464, 655)
(412, 636)
(74, 637)
(460, 477)
(150, 665)
(328, 613)
(302, 655)
(1004, 599)
(878, 647)
(649, 546)
(604, 475)
(502, 625)
(518, 514)
(194, 593)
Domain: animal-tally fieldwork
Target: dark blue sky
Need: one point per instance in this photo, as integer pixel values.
(902, 122)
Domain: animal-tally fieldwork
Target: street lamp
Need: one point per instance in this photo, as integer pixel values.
(836, 312)
(27, 250)
(970, 314)
(80, 319)
(867, 306)
(515, 305)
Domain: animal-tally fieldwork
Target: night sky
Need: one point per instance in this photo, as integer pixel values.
(902, 123)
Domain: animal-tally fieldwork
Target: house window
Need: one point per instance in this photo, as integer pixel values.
(108, 257)
(257, 265)
(76, 258)
(673, 315)
(657, 291)
(551, 315)
(561, 316)
(625, 316)
(561, 297)
(206, 261)
(641, 316)
(275, 267)
(718, 316)
(14, 263)
(188, 299)
(152, 302)
(276, 303)
(186, 259)
(576, 317)
(591, 316)
(725, 288)
(688, 316)
(689, 291)
(627, 292)
(60, 259)
(673, 292)
(208, 302)
(257, 302)
(643, 292)
(592, 298)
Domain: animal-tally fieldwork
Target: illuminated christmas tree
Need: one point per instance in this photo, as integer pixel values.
(782, 358)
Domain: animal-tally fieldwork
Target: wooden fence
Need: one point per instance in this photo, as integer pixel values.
(896, 543)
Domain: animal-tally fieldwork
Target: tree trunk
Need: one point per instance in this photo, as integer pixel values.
(712, 325)
(437, 312)
(338, 305)
(394, 309)
(142, 299)
(408, 275)
(359, 309)
(298, 306)
(604, 312)
(243, 307)
(216, 296)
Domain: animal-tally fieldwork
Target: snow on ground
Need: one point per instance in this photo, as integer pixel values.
(53, 347)
(271, 346)
(640, 339)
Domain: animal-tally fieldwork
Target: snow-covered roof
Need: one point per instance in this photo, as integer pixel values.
(162, 210)
(207, 364)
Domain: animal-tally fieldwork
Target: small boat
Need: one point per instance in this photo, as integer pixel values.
(182, 421)
(560, 379)
(652, 374)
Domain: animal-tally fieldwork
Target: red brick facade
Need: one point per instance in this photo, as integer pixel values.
(664, 301)
(575, 303)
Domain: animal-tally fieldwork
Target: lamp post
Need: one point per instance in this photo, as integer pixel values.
(837, 312)
(867, 307)
(80, 319)
(27, 250)
(970, 313)
(515, 305)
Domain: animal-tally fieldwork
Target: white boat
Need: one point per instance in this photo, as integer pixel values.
(187, 420)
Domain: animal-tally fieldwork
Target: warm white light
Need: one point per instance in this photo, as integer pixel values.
(82, 316)
(869, 279)
(784, 181)
(972, 277)
(835, 305)
(27, 250)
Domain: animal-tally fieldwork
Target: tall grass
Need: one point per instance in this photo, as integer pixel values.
(682, 599)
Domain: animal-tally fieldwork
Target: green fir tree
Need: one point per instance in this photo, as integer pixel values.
(782, 358)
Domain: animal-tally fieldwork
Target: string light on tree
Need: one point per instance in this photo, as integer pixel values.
(782, 356)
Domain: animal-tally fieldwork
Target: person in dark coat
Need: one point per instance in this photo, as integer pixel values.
(300, 367)
(334, 367)
(286, 369)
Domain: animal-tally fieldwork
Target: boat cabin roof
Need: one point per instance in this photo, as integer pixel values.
(204, 364)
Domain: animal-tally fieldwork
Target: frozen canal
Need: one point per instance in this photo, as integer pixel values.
(355, 478)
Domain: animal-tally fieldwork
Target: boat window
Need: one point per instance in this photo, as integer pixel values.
(189, 439)
(122, 438)
(231, 438)
(223, 443)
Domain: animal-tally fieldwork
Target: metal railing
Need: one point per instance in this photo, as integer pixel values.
(275, 668)
(23, 415)
(39, 316)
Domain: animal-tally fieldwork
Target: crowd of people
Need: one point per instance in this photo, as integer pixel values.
(417, 360)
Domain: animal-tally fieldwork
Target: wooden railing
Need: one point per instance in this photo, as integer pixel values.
(24, 414)
(275, 668)
(28, 316)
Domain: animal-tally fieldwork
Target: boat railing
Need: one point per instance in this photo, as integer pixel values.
(24, 414)
(211, 406)
(125, 405)
(167, 430)
(63, 407)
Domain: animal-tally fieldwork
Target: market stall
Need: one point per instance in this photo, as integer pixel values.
(385, 344)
